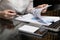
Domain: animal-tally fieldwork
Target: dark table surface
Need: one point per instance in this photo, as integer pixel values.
(9, 31)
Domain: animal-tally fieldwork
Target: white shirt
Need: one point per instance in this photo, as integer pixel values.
(17, 5)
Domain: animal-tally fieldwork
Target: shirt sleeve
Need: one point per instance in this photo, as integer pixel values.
(30, 7)
(4, 4)
(0, 0)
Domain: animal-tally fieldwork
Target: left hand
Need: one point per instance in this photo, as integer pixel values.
(41, 6)
(8, 14)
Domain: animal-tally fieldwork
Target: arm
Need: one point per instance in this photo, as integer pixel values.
(30, 7)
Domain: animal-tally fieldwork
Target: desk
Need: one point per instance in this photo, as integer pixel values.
(8, 31)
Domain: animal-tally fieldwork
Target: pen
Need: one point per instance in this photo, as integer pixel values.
(46, 6)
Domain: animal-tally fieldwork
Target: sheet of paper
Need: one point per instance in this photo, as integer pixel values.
(30, 18)
(37, 12)
(49, 19)
(28, 28)
(45, 20)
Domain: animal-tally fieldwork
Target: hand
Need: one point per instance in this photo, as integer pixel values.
(8, 14)
(41, 6)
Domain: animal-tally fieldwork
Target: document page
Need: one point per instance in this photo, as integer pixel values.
(43, 20)
(28, 28)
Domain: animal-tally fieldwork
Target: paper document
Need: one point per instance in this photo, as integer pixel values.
(37, 12)
(49, 19)
(44, 20)
(28, 28)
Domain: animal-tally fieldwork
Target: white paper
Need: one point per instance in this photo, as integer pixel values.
(45, 20)
(50, 19)
(37, 12)
(28, 28)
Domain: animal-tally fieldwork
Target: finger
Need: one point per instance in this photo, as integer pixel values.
(12, 14)
(10, 11)
(44, 5)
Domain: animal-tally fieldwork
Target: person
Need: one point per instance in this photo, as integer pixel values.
(9, 8)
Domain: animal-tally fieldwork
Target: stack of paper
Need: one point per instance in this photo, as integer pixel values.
(28, 28)
(44, 20)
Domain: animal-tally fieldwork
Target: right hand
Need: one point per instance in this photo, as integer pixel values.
(8, 14)
(41, 6)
